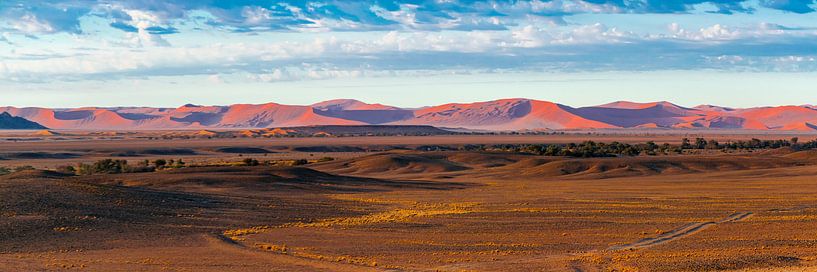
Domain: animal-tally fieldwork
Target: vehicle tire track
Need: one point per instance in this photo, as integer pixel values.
(289, 262)
(683, 231)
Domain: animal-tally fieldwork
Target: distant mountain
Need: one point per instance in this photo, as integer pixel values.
(506, 114)
(10, 122)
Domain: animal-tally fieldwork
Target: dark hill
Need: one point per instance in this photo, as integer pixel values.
(10, 122)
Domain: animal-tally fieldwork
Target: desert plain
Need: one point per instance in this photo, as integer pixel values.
(396, 204)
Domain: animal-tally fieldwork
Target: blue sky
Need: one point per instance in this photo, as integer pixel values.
(67, 53)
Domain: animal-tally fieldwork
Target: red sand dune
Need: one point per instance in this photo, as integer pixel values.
(350, 104)
(635, 105)
(627, 114)
(505, 114)
(271, 114)
(781, 117)
(554, 116)
(480, 114)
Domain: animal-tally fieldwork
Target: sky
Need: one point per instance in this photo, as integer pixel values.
(409, 53)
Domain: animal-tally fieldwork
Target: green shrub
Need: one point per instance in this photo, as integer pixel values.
(109, 166)
(160, 163)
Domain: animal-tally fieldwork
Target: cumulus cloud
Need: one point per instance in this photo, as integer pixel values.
(531, 36)
(54, 16)
(719, 32)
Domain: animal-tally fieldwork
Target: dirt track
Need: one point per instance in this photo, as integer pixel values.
(684, 231)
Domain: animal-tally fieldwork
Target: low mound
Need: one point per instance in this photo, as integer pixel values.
(243, 150)
(534, 161)
(601, 168)
(150, 152)
(35, 174)
(485, 160)
(329, 149)
(39, 155)
(604, 169)
(170, 151)
(381, 164)
(258, 180)
(810, 155)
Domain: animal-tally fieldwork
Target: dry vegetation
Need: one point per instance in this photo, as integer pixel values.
(409, 210)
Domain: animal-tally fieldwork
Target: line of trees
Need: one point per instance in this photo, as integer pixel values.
(589, 149)
(111, 166)
(753, 144)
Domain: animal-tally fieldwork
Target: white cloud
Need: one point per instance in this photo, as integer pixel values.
(143, 38)
(272, 76)
(719, 32)
(29, 23)
(337, 55)
(531, 36)
(796, 59)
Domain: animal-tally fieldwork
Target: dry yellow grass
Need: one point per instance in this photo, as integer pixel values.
(235, 234)
(394, 216)
(66, 229)
(272, 248)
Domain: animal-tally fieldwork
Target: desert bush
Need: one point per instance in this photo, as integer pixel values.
(300, 162)
(66, 169)
(160, 163)
(251, 162)
(173, 164)
(4, 171)
(109, 166)
(83, 169)
(23, 168)
(140, 169)
(141, 166)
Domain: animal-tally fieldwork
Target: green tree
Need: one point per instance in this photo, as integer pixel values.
(685, 144)
(160, 163)
(700, 143)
